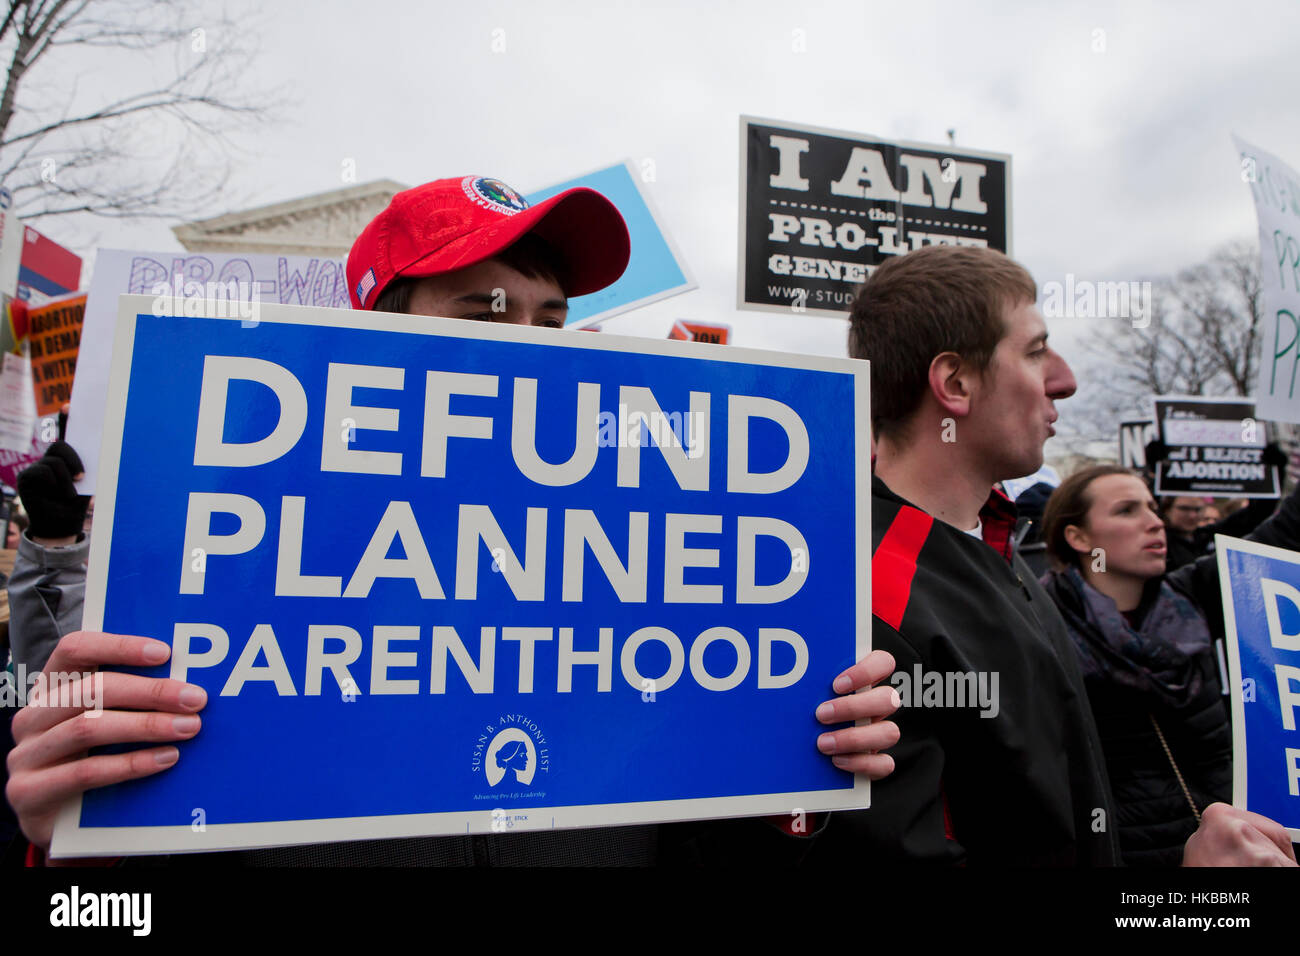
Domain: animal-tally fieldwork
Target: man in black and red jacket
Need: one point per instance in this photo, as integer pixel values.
(999, 761)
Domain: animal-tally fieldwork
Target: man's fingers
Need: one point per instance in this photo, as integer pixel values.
(1223, 814)
(873, 766)
(88, 650)
(877, 702)
(105, 691)
(1229, 836)
(880, 735)
(1275, 832)
(99, 729)
(873, 668)
(34, 792)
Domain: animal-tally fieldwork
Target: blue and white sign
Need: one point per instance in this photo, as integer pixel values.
(1261, 608)
(241, 279)
(435, 575)
(655, 271)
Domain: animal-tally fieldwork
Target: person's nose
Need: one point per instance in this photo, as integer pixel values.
(1060, 380)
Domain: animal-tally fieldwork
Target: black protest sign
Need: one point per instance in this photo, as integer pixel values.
(1133, 438)
(1215, 447)
(819, 209)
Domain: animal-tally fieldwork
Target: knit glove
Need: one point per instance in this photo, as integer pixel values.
(49, 496)
(1156, 451)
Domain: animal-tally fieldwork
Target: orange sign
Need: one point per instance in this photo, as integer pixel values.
(54, 330)
(714, 332)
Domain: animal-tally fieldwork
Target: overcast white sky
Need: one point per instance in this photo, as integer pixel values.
(1122, 163)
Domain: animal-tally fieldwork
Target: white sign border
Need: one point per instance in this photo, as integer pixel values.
(71, 839)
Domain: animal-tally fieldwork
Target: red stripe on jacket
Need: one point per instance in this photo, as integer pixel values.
(893, 566)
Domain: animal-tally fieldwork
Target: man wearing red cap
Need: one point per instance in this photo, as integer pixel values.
(469, 248)
(437, 247)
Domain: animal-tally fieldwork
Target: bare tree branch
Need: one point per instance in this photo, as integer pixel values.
(99, 156)
(1203, 339)
(14, 7)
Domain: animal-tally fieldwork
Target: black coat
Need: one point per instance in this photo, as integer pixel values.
(1152, 811)
(1153, 815)
(1239, 524)
(1023, 786)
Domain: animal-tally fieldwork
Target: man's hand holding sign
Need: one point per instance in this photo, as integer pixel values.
(436, 517)
(52, 766)
(49, 764)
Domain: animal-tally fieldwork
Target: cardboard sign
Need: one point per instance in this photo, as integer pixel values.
(656, 269)
(46, 269)
(17, 403)
(241, 280)
(1261, 608)
(54, 338)
(715, 333)
(12, 462)
(442, 576)
(11, 251)
(1276, 188)
(1216, 447)
(819, 209)
(13, 324)
(1133, 439)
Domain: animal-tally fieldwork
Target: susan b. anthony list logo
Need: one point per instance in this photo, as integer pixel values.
(512, 754)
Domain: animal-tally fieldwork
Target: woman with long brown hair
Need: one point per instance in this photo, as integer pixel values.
(1145, 641)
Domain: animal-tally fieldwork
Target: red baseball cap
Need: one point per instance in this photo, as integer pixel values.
(453, 223)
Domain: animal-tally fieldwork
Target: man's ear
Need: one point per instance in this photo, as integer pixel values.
(1078, 539)
(949, 384)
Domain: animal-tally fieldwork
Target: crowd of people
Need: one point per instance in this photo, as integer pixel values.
(1110, 743)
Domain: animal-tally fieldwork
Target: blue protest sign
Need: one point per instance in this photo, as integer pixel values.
(435, 574)
(247, 277)
(1261, 607)
(656, 269)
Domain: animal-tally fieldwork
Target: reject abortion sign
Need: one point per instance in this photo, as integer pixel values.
(1216, 447)
(1261, 608)
(442, 577)
(819, 209)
